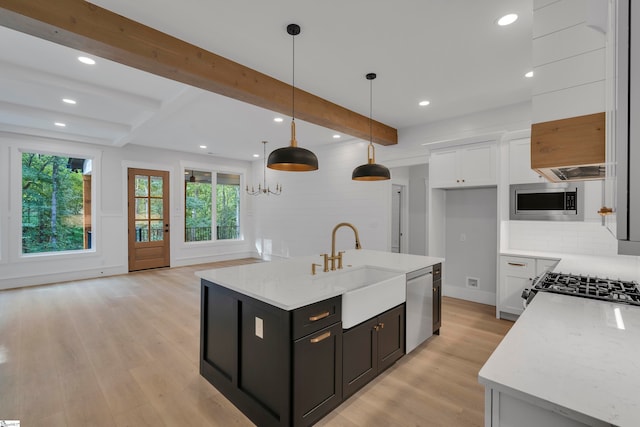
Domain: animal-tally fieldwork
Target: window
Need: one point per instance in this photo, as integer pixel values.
(228, 206)
(198, 213)
(199, 205)
(56, 203)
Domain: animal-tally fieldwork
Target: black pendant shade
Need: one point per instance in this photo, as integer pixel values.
(293, 158)
(371, 171)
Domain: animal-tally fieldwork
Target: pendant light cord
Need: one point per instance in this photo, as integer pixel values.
(371, 111)
(293, 83)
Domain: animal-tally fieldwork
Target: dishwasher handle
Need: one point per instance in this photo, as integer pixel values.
(419, 273)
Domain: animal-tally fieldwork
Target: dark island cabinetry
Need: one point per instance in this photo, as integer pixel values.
(437, 298)
(279, 367)
(371, 347)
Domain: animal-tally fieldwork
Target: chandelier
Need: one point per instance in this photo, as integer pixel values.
(264, 188)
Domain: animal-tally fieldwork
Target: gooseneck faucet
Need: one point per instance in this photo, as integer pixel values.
(338, 256)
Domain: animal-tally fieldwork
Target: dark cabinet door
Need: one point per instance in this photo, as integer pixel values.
(360, 360)
(317, 374)
(390, 330)
(437, 306)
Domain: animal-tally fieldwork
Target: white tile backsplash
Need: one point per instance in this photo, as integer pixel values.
(588, 238)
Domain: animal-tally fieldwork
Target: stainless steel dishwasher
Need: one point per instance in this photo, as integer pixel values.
(419, 306)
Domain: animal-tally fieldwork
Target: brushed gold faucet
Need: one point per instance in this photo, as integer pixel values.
(338, 256)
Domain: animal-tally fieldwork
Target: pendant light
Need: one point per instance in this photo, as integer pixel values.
(264, 188)
(293, 158)
(371, 171)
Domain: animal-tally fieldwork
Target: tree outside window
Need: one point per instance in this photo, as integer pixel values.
(199, 206)
(56, 204)
(228, 206)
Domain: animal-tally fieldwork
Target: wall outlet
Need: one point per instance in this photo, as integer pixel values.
(473, 282)
(259, 328)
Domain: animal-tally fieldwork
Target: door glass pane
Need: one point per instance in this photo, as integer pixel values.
(142, 209)
(156, 186)
(142, 231)
(157, 231)
(156, 208)
(142, 186)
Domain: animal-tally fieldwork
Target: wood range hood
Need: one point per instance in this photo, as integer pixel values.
(570, 149)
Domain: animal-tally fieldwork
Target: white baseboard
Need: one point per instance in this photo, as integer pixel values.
(203, 259)
(475, 295)
(43, 279)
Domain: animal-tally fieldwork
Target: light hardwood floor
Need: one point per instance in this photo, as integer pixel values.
(123, 351)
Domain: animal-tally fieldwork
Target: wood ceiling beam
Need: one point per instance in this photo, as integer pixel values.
(92, 29)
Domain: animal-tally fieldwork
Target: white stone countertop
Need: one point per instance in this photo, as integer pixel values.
(289, 284)
(574, 353)
(623, 267)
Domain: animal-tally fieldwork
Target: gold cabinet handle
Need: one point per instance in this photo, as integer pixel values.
(517, 264)
(375, 328)
(320, 338)
(319, 316)
(381, 325)
(604, 211)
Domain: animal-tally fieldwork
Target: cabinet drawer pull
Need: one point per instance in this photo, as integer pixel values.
(320, 338)
(517, 264)
(319, 316)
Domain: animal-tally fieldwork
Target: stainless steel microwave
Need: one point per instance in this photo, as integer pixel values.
(547, 201)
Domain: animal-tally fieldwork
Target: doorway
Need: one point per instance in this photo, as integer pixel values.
(397, 192)
(148, 218)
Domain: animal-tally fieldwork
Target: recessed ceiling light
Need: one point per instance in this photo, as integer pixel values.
(278, 120)
(86, 60)
(59, 124)
(507, 19)
(203, 146)
(256, 155)
(336, 136)
(424, 103)
(529, 74)
(69, 101)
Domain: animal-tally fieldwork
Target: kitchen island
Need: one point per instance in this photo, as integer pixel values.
(567, 361)
(287, 346)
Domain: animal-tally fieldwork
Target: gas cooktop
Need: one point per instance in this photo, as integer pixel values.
(585, 286)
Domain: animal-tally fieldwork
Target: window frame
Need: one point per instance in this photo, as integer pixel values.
(214, 171)
(15, 191)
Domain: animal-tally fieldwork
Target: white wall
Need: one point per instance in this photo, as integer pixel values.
(301, 219)
(418, 179)
(471, 243)
(110, 215)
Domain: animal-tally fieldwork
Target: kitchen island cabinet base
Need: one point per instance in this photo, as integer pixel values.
(252, 352)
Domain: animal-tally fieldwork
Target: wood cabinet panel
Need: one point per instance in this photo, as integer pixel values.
(360, 364)
(259, 353)
(220, 341)
(567, 142)
(313, 317)
(371, 347)
(390, 337)
(317, 374)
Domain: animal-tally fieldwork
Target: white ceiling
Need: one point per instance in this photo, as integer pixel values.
(449, 52)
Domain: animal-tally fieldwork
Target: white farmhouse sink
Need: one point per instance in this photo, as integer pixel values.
(369, 292)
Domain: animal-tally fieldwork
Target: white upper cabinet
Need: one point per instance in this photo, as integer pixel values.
(520, 171)
(465, 166)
